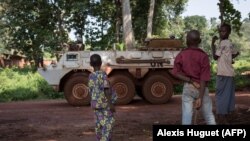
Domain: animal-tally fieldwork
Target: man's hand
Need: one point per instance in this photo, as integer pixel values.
(213, 47)
(196, 85)
(214, 39)
(197, 103)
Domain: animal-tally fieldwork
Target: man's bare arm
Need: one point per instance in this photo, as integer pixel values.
(213, 47)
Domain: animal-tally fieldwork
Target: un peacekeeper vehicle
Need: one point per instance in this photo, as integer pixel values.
(144, 72)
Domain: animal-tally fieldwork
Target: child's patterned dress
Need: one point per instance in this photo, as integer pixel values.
(103, 116)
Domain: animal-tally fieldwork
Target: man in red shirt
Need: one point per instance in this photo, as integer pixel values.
(192, 66)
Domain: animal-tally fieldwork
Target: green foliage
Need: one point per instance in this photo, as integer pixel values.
(241, 65)
(167, 20)
(230, 15)
(32, 25)
(195, 22)
(120, 46)
(178, 89)
(174, 27)
(3, 32)
(24, 84)
(100, 24)
(243, 42)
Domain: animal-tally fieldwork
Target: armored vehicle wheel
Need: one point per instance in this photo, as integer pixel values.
(157, 89)
(124, 87)
(76, 91)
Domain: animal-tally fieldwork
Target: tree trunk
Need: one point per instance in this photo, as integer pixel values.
(150, 18)
(127, 25)
(221, 7)
(118, 20)
(1, 62)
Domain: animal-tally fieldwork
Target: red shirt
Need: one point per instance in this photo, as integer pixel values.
(193, 63)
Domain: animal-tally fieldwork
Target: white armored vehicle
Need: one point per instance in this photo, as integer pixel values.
(144, 72)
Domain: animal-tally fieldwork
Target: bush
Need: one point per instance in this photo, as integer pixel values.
(241, 81)
(178, 89)
(24, 84)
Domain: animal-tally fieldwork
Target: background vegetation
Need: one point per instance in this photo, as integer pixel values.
(24, 84)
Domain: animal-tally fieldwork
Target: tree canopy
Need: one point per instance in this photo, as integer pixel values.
(44, 25)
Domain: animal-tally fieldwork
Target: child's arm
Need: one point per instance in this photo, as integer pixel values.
(108, 94)
(178, 73)
(200, 87)
(235, 55)
(188, 80)
(183, 78)
(213, 47)
(198, 102)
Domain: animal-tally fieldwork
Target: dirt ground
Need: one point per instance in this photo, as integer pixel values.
(55, 120)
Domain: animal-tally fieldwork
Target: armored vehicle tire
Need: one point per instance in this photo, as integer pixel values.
(157, 89)
(76, 91)
(124, 87)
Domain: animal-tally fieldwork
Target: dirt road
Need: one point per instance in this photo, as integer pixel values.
(55, 120)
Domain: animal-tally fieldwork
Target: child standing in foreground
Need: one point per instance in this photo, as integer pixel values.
(192, 66)
(102, 100)
(225, 87)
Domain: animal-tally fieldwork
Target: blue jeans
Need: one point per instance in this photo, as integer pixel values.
(189, 94)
